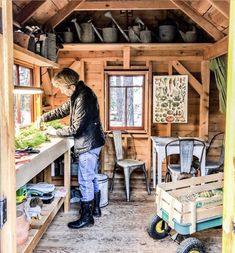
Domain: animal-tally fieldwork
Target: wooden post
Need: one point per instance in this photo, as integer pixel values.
(228, 242)
(7, 133)
(126, 57)
(67, 178)
(204, 100)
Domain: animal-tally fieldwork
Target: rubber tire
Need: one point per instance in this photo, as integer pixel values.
(191, 244)
(155, 220)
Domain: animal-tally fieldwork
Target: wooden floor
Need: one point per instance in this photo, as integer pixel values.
(122, 228)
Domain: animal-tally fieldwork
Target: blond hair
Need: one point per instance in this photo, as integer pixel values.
(66, 76)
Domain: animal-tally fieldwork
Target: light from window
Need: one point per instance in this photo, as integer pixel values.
(126, 101)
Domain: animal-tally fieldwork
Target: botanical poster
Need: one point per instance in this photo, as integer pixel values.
(170, 99)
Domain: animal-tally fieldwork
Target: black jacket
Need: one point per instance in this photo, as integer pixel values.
(85, 124)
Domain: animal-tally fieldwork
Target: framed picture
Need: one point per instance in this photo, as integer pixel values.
(170, 99)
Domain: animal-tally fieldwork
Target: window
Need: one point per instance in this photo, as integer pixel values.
(126, 101)
(23, 103)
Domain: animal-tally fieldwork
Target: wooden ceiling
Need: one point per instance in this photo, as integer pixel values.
(211, 16)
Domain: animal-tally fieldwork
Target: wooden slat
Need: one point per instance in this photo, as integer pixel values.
(7, 131)
(25, 55)
(126, 57)
(221, 6)
(127, 5)
(200, 20)
(46, 82)
(192, 80)
(218, 49)
(63, 13)
(204, 101)
(28, 11)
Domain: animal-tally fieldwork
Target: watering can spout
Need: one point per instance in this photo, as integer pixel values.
(78, 28)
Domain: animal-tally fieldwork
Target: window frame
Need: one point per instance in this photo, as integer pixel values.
(32, 99)
(141, 129)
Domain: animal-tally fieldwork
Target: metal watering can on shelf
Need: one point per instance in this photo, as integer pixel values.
(85, 31)
(140, 32)
(189, 36)
(108, 14)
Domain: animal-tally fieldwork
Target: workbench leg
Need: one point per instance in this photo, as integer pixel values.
(67, 179)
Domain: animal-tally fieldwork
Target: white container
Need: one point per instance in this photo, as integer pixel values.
(103, 186)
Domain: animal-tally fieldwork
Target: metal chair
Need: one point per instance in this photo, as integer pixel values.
(183, 169)
(128, 165)
(215, 154)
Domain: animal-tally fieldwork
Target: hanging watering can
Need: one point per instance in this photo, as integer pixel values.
(85, 31)
(189, 36)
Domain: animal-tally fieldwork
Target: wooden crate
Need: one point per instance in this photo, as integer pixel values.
(179, 214)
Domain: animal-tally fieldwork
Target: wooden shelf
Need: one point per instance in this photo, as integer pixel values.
(39, 227)
(27, 56)
(136, 46)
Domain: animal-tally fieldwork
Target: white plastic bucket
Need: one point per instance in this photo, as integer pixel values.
(103, 186)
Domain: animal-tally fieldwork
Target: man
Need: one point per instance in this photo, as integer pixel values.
(85, 126)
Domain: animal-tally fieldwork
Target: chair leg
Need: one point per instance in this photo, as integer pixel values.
(112, 182)
(127, 183)
(146, 179)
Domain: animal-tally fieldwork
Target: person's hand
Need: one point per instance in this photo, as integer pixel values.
(51, 131)
(38, 122)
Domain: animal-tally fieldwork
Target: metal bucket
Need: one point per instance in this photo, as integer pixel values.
(109, 34)
(68, 37)
(166, 33)
(103, 186)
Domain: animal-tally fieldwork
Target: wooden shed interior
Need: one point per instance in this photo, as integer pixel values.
(97, 61)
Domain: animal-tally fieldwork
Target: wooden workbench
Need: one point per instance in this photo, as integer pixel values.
(49, 152)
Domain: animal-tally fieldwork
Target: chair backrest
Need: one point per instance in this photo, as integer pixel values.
(186, 152)
(117, 138)
(215, 151)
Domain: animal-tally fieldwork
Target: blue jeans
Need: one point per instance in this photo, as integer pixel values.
(87, 170)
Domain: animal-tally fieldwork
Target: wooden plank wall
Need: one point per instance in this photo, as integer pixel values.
(92, 71)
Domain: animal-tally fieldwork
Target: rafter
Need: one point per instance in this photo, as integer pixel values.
(63, 13)
(28, 11)
(127, 5)
(217, 49)
(200, 20)
(221, 6)
(197, 86)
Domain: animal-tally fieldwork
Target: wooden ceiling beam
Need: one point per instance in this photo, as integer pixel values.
(127, 5)
(28, 11)
(135, 46)
(221, 6)
(198, 19)
(217, 49)
(63, 13)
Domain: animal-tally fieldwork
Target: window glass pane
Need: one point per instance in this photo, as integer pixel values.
(25, 109)
(15, 110)
(126, 80)
(24, 75)
(134, 106)
(15, 74)
(117, 107)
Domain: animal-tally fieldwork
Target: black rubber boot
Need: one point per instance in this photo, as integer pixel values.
(86, 219)
(96, 208)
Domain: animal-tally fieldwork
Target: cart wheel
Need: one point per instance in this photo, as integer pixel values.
(191, 245)
(158, 228)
